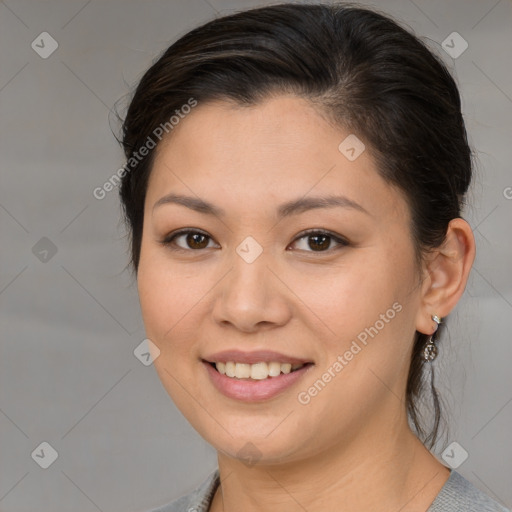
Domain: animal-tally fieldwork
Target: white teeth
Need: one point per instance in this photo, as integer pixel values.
(286, 368)
(274, 369)
(258, 371)
(242, 371)
(230, 369)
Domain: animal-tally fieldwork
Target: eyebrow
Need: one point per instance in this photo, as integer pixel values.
(293, 207)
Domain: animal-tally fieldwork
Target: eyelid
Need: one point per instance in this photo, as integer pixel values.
(342, 242)
(169, 239)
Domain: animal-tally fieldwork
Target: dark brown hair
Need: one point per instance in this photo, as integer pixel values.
(363, 71)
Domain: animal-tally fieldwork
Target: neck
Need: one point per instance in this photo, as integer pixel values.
(381, 472)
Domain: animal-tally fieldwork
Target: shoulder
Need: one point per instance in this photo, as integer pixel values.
(459, 494)
(197, 501)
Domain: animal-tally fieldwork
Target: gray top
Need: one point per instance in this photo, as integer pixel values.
(457, 495)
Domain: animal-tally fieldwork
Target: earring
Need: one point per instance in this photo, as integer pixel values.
(430, 350)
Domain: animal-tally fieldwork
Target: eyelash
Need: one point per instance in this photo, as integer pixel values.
(168, 241)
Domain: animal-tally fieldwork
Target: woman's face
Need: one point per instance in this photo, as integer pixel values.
(247, 281)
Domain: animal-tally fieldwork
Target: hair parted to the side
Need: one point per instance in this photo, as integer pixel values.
(364, 72)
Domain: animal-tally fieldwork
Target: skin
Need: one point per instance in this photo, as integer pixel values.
(351, 443)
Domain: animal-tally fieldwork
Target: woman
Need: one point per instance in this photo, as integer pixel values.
(294, 188)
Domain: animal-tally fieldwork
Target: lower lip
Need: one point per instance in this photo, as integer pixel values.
(254, 390)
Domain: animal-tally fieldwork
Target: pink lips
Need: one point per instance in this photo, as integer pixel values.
(249, 390)
(254, 357)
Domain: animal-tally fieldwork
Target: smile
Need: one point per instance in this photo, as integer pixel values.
(258, 371)
(254, 382)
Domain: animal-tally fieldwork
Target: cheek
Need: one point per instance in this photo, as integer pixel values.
(352, 296)
(168, 303)
(166, 296)
(367, 311)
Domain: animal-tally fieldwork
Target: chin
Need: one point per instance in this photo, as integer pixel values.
(255, 442)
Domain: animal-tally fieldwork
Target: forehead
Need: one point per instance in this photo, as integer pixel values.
(281, 148)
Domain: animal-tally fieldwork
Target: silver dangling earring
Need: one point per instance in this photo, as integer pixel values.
(430, 350)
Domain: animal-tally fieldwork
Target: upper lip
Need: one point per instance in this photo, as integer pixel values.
(253, 357)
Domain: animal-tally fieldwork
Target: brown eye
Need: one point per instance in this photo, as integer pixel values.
(319, 241)
(196, 240)
(312, 241)
(191, 240)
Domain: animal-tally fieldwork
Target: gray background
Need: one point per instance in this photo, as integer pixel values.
(70, 324)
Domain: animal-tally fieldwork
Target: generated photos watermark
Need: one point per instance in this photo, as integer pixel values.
(305, 397)
(158, 133)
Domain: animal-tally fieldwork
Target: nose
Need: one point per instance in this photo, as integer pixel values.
(251, 297)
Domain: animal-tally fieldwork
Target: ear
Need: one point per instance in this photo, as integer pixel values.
(445, 274)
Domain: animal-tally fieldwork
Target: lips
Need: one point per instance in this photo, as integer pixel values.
(258, 356)
(238, 384)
